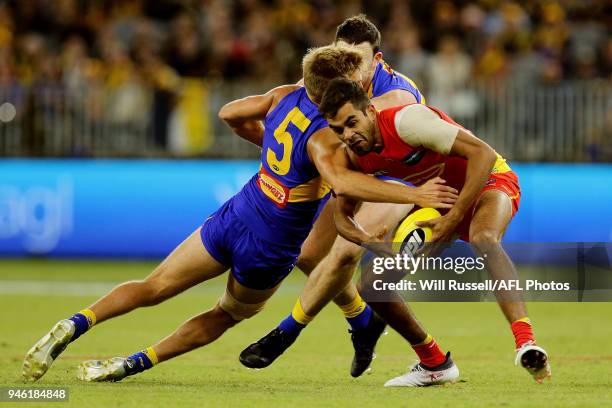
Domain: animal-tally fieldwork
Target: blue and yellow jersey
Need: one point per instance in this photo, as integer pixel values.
(386, 80)
(280, 202)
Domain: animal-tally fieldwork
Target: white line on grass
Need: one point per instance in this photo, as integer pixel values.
(33, 287)
(72, 288)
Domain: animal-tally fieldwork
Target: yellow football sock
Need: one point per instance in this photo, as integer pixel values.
(151, 354)
(354, 308)
(299, 315)
(90, 315)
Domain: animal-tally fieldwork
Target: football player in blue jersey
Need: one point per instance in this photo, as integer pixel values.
(386, 88)
(257, 234)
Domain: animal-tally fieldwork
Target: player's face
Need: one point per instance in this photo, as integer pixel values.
(368, 65)
(354, 128)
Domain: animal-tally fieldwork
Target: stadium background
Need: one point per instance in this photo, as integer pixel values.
(110, 147)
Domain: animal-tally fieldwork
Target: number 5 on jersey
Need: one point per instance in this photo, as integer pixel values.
(283, 137)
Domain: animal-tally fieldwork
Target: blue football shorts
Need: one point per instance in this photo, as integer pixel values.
(254, 262)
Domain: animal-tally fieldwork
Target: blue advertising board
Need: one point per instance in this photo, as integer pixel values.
(144, 208)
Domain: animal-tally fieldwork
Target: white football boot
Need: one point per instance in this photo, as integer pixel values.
(421, 376)
(534, 359)
(110, 370)
(40, 357)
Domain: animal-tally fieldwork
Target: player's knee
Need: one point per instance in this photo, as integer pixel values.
(346, 256)
(238, 310)
(224, 318)
(484, 236)
(307, 263)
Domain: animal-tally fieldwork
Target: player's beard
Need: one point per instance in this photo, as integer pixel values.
(361, 147)
(367, 140)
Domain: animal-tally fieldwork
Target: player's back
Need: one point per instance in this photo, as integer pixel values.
(280, 202)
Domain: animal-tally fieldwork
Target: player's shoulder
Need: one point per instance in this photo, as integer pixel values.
(400, 110)
(392, 98)
(386, 80)
(421, 113)
(280, 92)
(411, 115)
(384, 73)
(283, 90)
(415, 111)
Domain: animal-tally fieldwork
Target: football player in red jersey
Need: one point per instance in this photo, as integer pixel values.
(415, 142)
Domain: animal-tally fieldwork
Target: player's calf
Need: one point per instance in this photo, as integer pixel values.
(120, 300)
(194, 333)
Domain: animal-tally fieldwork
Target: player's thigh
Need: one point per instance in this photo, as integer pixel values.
(320, 239)
(491, 217)
(189, 264)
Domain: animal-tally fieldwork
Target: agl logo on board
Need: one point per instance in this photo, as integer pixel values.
(39, 215)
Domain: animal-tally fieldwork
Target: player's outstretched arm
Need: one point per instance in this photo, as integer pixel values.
(334, 166)
(481, 158)
(245, 115)
(347, 226)
(421, 126)
(351, 230)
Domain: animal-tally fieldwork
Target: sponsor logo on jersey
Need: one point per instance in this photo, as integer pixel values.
(414, 157)
(273, 189)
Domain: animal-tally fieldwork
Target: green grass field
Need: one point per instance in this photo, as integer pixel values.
(314, 372)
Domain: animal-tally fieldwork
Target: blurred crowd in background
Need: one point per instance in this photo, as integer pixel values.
(155, 42)
(136, 61)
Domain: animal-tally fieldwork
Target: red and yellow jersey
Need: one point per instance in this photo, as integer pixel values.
(416, 164)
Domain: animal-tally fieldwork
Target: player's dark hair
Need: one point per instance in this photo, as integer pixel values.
(339, 92)
(358, 29)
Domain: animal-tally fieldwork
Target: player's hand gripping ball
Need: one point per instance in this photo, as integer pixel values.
(410, 238)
